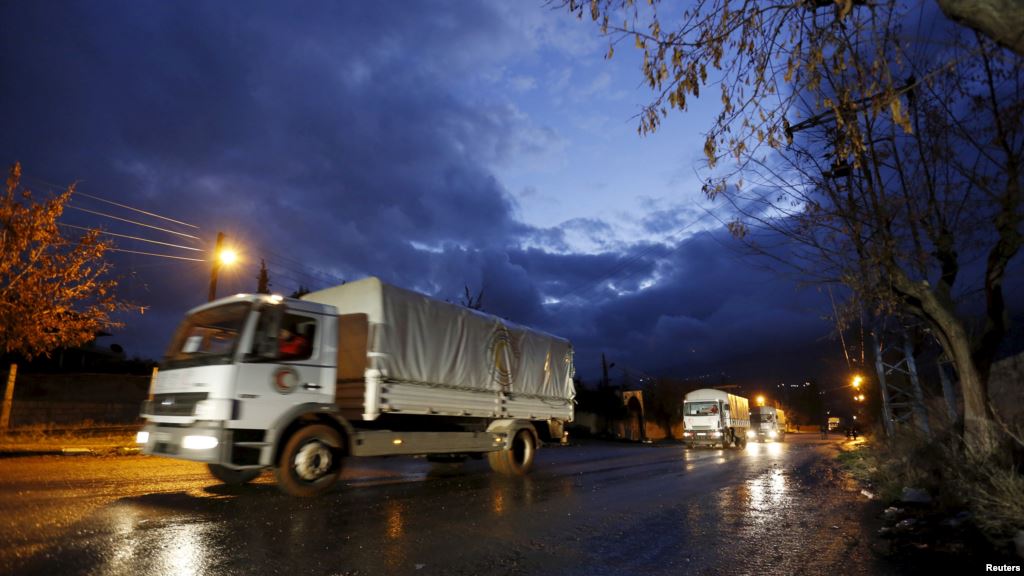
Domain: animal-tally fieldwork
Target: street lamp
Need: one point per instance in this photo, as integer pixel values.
(857, 380)
(222, 256)
(760, 400)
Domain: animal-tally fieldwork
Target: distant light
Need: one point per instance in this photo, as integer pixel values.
(276, 298)
(397, 441)
(142, 437)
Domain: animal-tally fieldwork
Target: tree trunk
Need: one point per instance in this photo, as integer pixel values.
(979, 432)
(1000, 20)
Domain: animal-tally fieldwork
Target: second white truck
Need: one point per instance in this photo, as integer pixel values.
(767, 423)
(713, 417)
(252, 382)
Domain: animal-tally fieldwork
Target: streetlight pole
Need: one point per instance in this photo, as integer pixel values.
(216, 266)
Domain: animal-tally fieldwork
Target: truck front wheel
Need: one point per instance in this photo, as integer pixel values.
(233, 477)
(310, 462)
(517, 460)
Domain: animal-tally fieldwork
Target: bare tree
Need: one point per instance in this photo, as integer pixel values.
(54, 291)
(889, 171)
(470, 301)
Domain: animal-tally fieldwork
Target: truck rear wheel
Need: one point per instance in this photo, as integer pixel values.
(517, 460)
(310, 462)
(233, 477)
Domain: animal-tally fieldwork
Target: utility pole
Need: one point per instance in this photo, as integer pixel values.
(216, 266)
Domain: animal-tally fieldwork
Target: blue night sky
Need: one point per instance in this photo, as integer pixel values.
(435, 144)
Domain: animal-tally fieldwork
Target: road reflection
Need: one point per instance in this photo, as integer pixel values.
(395, 553)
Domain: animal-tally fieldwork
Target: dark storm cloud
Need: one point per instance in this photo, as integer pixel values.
(336, 141)
(710, 310)
(327, 135)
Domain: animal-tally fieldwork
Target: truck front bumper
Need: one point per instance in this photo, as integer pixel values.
(765, 436)
(702, 437)
(200, 442)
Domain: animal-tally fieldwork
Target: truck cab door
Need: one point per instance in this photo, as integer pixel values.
(289, 363)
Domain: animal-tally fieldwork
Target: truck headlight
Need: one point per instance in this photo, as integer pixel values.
(141, 437)
(751, 434)
(196, 442)
(716, 433)
(772, 434)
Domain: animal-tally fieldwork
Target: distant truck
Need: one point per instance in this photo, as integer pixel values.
(713, 417)
(253, 381)
(767, 423)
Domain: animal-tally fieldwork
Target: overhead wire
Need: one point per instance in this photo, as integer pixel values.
(156, 254)
(106, 233)
(119, 204)
(111, 216)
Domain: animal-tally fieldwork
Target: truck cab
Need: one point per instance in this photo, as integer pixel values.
(714, 417)
(767, 423)
(232, 375)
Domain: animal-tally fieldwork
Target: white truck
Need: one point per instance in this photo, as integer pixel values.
(715, 417)
(378, 370)
(767, 423)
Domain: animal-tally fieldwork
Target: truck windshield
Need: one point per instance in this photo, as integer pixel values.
(700, 408)
(207, 337)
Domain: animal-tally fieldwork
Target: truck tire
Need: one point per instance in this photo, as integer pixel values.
(233, 477)
(310, 462)
(517, 460)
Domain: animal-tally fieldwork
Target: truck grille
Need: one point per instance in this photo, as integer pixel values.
(174, 404)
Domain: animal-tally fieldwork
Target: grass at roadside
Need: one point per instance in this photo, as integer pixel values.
(92, 437)
(947, 485)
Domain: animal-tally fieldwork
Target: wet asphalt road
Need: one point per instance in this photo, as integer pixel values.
(590, 509)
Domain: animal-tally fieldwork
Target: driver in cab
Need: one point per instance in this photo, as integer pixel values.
(291, 344)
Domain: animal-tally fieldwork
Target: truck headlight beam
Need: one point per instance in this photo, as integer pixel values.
(199, 442)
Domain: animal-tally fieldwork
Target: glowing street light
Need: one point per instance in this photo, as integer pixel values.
(222, 256)
(760, 400)
(857, 380)
(227, 256)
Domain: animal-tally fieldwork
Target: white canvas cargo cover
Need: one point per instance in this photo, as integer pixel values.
(739, 407)
(414, 338)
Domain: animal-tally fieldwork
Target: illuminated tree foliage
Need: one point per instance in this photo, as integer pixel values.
(893, 160)
(54, 290)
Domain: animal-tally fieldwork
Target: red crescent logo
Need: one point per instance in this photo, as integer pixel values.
(285, 380)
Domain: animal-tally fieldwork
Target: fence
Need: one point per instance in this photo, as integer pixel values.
(70, 399)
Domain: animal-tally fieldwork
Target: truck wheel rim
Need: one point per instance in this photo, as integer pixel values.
(313, 461)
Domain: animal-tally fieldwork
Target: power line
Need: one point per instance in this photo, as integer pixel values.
(155, 254)
(125, 206)
(139, 210)
(131, 237)
(134, 222)
(93, 197)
